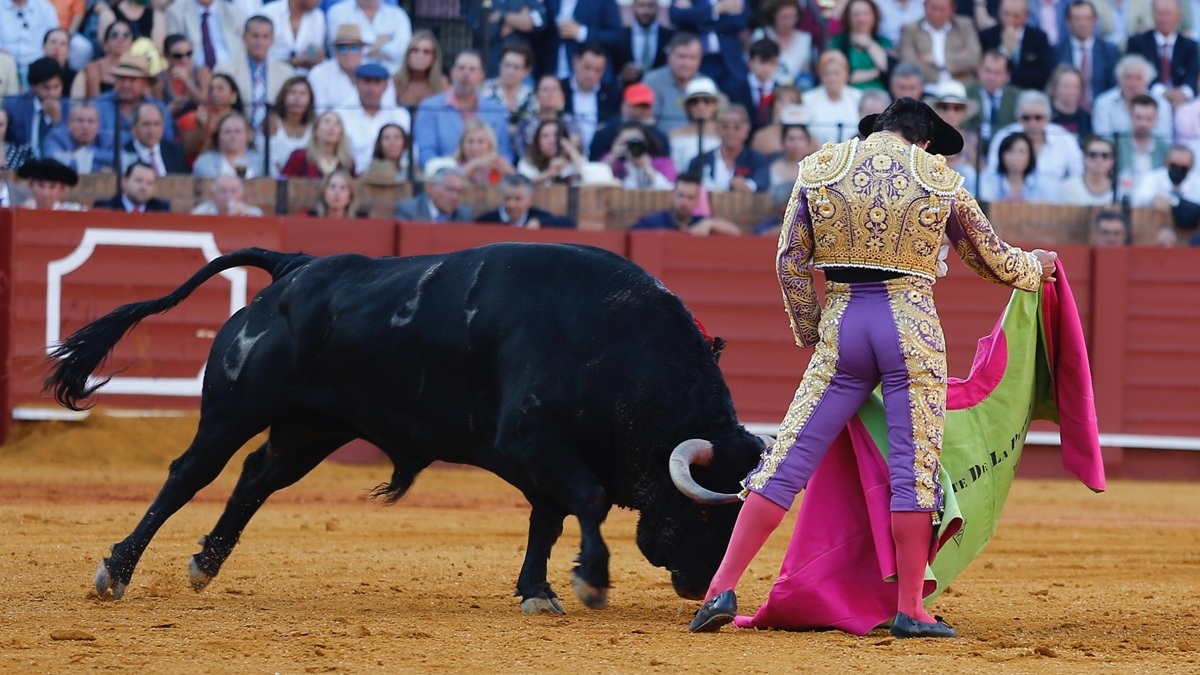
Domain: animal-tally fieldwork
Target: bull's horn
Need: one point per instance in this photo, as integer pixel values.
(687, 453)
(767, 441)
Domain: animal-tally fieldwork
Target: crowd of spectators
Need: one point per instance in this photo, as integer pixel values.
(1086, 102)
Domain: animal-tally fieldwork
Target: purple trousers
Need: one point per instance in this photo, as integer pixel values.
(870, 333)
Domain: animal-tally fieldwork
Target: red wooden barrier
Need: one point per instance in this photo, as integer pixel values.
(60, 270)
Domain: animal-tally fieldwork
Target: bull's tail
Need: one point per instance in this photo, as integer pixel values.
(81, 354)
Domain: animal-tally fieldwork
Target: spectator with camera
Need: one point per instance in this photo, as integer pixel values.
(637, 159)
(637, 105)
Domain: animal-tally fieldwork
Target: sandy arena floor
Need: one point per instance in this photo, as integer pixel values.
(326, 580)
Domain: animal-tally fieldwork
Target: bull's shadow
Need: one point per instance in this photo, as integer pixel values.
(566, 370)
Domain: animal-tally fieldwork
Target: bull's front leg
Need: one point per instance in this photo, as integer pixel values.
(590, 578)
(545, 527)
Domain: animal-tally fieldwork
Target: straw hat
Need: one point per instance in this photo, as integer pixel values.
(132, 65)
(348, 34)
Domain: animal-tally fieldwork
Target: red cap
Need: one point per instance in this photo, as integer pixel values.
(639, 94)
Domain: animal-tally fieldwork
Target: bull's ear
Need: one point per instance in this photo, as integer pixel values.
(718, 346)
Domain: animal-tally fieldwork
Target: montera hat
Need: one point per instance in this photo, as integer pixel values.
(946, 139)
(49, 170)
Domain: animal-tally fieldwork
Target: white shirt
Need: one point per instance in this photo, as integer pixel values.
(718, 174)
(566, 12)
(215, 33)
(1110, 115)
(362, 130)
(22, 36)
(333, 89)
(937, 42)
(309, 38)
(586, 108)
(146, 155)
(389, 20)
(1157, 182)
(1059, 159)
(825, 115)
(892, 16)
(642, 36)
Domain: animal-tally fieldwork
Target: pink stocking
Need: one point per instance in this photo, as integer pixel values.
(757, 520)
(912, 532)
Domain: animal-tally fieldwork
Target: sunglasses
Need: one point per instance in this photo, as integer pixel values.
(701, 99)
(349, 48)
(1033, 118)
(956, 107)
(182, 55)
(1092, 154)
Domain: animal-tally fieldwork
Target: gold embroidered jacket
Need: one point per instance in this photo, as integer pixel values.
(884, 204)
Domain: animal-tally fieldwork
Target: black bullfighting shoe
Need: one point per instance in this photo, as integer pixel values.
(715, 613)
(904, 626)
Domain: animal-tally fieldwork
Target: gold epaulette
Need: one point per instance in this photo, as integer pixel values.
(932, 173)
(827, 165)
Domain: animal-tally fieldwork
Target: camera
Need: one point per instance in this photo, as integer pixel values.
(636, 147)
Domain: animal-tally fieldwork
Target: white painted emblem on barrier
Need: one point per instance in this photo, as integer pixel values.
(93, 237)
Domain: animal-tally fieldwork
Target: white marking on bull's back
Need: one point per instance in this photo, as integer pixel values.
(472, 310)
(405, 314)
(239, 352)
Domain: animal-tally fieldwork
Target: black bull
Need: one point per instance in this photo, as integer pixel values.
(566, 370)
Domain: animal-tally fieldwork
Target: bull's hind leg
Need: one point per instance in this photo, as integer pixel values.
(545, 527)
(215, 443)
(293, 450)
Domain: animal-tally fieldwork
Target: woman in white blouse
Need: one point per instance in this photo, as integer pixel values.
(833, 106)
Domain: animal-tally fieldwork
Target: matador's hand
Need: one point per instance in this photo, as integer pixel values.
(1047, 259)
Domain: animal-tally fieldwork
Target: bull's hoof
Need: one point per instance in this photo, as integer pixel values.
(542, 606)
(199, 579)
(595, 598)
(105, 583)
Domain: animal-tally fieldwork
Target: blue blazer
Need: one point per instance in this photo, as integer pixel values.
(1104, 59)
(20, 119)
(1185, 59)
(698, 19)
(621, 52)
(755, 163)
(603, 21)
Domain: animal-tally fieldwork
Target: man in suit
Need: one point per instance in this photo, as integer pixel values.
(506, 22)
(214, 27)
(719, 23)
(576, 22)
(518, 209)
(1026, 47)
(996, 97)
(589, 98)
(258, 78)
(440, 118)
(945, 46)
(137, 192)
(757, 92)
(1176, 57)
(148, 145)
(441, 201)
(681, 217)
(32, 114)
(643, 45)
(732, 166)
(81, 144)
(1094, 57)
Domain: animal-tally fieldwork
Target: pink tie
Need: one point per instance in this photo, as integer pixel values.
(1085, 70)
